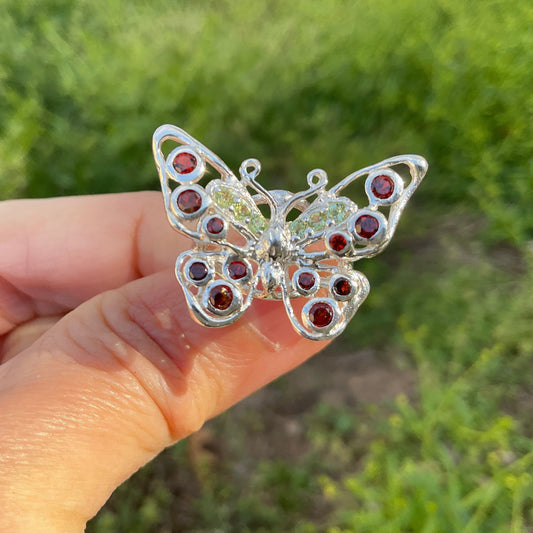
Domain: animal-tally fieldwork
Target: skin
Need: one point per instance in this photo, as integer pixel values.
(101, 365)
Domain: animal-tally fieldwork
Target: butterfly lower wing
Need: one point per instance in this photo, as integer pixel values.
(331, 294)
(347, 231)
(218, 286)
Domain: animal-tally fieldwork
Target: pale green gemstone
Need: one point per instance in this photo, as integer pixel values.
(241, 210)
(223, 197)
(257, 223)
(317, 220)
(337, 212)
(298, 227)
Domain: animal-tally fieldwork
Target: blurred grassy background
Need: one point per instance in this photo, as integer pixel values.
(418, 419)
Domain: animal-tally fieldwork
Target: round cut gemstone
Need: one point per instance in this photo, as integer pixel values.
(257, 223)
(198, 271)
(215, 225)
(382, 186)
(223, 197)
(337, 242)
(184, 163)
(298, 227)
(366, 226)
(237, 270)
(342, 287)
(241, 210)
(337, 212)
(189, 201)
(306, 281)
(321, 314)
(220, 297)
(317, 220)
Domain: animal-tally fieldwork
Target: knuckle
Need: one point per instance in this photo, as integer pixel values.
(118, 330)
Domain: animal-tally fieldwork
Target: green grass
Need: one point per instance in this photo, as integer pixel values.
(337, 85)
(454, 460)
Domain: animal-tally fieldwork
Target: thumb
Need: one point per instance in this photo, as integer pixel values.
(114, 382)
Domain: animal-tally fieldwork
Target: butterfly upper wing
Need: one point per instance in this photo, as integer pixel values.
(369, 229)
(329, 304)
(190, 206)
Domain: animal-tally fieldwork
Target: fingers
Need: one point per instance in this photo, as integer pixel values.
(118, 379)
(57, 253)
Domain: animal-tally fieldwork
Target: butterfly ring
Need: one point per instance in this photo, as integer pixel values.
(250, 242)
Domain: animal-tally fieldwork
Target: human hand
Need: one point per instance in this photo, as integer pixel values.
(101, 365)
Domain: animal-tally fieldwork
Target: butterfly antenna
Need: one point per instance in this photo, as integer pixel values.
(249, 170)
(317, 180)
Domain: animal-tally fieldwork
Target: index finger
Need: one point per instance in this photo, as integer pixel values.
(56, 253)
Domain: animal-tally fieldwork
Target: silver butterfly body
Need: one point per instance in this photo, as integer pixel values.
(252, 256)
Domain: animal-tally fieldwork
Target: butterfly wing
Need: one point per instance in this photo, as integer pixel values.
(320, 300)
(218, 286)
(220, 216)
(333, 232)
(222, 213)
(334, 226)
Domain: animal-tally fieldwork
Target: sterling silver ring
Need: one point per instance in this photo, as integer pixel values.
(306, 261)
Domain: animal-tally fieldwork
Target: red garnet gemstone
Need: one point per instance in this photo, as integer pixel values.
(214, 225)
(306, 281)
(220, 297)
(184, 163)
(189, 201)
(366, 226)
(342, 287)
(198, 271)
(237, 270)
(321, 314)
(338, 242)
(382, 186)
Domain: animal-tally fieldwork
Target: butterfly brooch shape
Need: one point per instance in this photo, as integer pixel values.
(302, 253)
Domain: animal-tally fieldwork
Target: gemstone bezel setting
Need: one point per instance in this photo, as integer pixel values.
(217, 235)
(301, 290)
(339, 234)
(336, 319)
(182, 214)
(186, 177)
(343, 297)
(378, 236)
(236, 301)
(187, 272)
(396, 193)
(227, 273)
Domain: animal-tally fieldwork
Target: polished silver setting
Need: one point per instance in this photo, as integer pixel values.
(380, 234)
(346, 235)
(354, 287)
(398, 187)
(249, 271)
(275, 250)
(236, 302)
(174, 202)
(198, 282)
(324, 330)
(190, 177)
(296, 285)
(215, 236)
